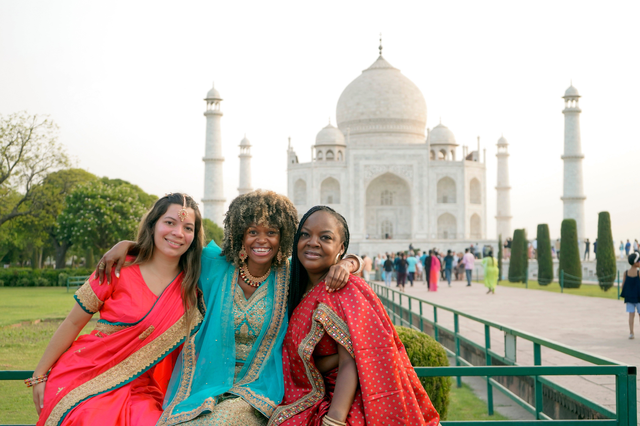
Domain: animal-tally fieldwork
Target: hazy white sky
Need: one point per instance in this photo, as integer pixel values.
(125, 81)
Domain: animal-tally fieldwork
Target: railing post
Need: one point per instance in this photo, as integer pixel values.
(456, 331)
(410, 314)
(622, 401)
(537, 386)
(435, 323)
(562, 281)
(487, 357)
(421, 320)
(632, 391)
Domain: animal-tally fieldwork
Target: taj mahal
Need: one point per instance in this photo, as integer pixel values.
(395, 181)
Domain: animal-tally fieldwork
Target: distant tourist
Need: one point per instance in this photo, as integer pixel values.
(635, 245)
(366, 270)
(448, 266)
(388, 271)
(621, 250)
(468, 260)
(627, 247)
(419, 268)
(595, 249)
(490, 272)
(401, 270)
(587, 248)
(427, 268)
(631, 289)
(411, 268)
(435, 271)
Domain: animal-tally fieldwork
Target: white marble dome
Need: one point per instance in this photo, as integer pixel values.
(245, 141)
(441, 135)
(571, 92)
(213, 94)
(330, 135)
(502, 141)
(382, 106)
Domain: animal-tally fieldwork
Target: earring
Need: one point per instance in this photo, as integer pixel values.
(338, 257)
(279, 256)
(242, 254)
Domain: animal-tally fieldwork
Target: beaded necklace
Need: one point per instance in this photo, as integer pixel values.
(250, 279)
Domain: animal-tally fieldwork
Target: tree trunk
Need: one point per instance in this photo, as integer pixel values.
(61, 253)
(88, 259)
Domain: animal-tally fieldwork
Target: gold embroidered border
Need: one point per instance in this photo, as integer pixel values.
(334, 326)
(87, 298)
(305, 351)
(125, 370)
(109, 328)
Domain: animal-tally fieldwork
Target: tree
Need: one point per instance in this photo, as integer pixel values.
(212, 232)
(98, 215)
(606, 267)
(499, 257)
(28, 152)
(545, 261)
(570, 254)
(518, 256)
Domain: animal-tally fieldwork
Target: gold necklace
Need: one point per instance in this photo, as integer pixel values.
(250, 279)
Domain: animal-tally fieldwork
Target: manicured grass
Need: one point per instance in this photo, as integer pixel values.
(465, 405)
(588, 290)
(19, 304)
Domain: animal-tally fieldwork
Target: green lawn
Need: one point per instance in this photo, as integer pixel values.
(465, 405)
(19, 304)
(588, 290)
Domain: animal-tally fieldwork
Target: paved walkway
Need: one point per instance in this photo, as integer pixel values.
(589, 324)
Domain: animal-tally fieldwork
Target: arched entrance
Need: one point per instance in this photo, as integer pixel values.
(388, 208)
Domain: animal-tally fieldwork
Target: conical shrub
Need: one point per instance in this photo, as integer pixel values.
(606, 257)
(545, 261)
(518, 256)
(499, 257)
(570, 254)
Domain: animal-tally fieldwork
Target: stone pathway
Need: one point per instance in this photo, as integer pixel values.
(588, 324)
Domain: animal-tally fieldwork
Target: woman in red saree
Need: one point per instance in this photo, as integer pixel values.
(118, 373)
(343, 361)
(434, 272)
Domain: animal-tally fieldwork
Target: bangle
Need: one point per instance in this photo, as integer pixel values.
(32, 381)
(357, 259)
(328, 421)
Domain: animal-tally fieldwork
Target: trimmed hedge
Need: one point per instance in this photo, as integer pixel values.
(606, 267)
(27, 277)
(570, 254)
(518, 262)
(499, 257)
(424, 351)
(545, 261)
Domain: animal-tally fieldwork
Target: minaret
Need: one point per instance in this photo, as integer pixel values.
(213, 161)
(573, 196)
(503, 217)
(244, 185)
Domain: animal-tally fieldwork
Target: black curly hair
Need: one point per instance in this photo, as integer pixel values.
(299, 276)
(259, 207)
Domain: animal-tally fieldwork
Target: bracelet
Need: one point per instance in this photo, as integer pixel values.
(32, 381)
(328, 421)
(357, 259)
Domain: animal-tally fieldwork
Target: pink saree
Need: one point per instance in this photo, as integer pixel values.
(118, 373)
(434, 273)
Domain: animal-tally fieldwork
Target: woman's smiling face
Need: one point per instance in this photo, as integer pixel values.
(261, 243)
(320, 243)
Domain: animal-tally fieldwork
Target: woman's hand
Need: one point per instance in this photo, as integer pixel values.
(116, 255)
(38, 396)
(338, 275)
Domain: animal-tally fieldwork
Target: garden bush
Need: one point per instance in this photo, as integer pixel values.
(545, 261)
(606, 267)
(500, 257)
(424, 351)
(27, 277)
(570, 254)
(518, 262)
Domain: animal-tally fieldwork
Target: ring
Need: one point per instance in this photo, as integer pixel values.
(101, 265)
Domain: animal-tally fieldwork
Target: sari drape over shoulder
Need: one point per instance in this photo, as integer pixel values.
(114, 374)
(389, 391)
(205, 373)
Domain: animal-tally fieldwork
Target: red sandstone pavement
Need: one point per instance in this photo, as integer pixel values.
(589, 324)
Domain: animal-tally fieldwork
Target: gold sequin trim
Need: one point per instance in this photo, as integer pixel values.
(87, 298)
(248, 318)
(334, 326)
(123, 371)
(146, 333)
(109, 329)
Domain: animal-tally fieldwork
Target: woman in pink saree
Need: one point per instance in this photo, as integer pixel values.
(118, 373)
(434, 272)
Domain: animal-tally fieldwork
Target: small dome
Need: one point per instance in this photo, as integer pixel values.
(213, 94)
(502, 141)
(330, 136)
(571, 92)
(245, 141)
(441, 135)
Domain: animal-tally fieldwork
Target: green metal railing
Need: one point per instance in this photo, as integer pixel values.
(76, 281)
(410, 311)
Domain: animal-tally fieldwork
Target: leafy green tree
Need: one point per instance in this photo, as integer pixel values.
(570, 254)
(212, 232)
(500, 257)
(28, 153)
(545, 261)
(606, 267)
(97, 215)
(517, 263)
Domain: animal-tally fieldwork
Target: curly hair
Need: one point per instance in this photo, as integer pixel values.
(299, 275)
(259, 207)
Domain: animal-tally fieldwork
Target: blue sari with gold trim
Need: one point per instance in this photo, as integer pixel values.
(206, 368)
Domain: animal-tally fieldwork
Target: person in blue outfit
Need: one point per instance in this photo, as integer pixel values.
(631, 290)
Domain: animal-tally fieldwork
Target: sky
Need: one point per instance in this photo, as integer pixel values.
(125, 82)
